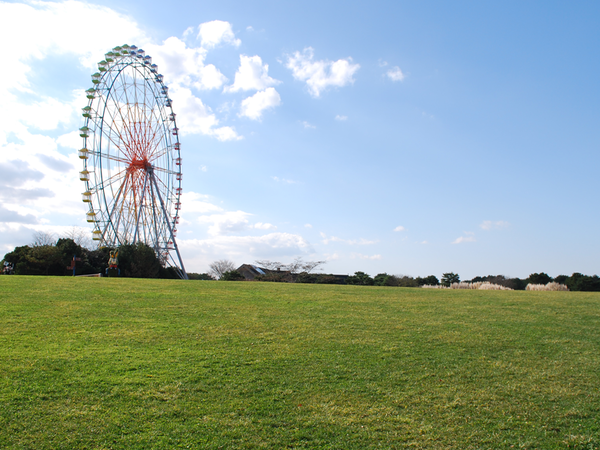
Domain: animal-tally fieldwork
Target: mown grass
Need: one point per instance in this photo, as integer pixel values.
(155, 364)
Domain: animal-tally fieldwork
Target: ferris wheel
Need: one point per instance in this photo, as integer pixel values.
(131, 156)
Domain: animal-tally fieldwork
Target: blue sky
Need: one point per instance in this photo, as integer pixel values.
(407, 137)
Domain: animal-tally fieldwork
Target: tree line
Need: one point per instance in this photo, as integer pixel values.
(46, 256)
(49, 256)
(300, 272)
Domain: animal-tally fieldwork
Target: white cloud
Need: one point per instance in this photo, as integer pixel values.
(331, 256)
(361, 241)
(45, 28)
(251, 75)
(395, 74)
(253, 107)
(468, 237)
(307, 225)
(264, 226)
(308, 125)
(193, 202)
(399, 228)
(216, 32)
(198, 253)
(203, 168)
(319, 75)
(494, 225)
(196, 117)
(341, 118)
(226, 222)
(184, 66)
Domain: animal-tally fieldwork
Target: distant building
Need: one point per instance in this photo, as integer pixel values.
(250, 271)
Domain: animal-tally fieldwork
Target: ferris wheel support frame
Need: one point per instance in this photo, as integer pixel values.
(181, 272)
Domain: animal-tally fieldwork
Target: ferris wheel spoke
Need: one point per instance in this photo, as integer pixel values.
(165, 171)
(110, 219)
(163, 151)
(140, 210)
(113, 179)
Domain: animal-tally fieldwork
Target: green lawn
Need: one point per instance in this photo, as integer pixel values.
(155, 364)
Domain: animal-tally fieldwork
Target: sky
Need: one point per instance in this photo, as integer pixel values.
(411, 138)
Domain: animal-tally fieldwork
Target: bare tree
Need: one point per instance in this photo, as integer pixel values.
(81, 236)
(41, 239)
(270, 265)
(218, 268)
(295, 267)
(309, 266)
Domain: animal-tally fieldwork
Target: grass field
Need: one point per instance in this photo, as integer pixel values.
(154, 364)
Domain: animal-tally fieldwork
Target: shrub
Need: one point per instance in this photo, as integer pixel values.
(275, 277)
(486, 286)
(552, 286)
(328, 279)
(483, 285)
(304, 277)
(200, 276)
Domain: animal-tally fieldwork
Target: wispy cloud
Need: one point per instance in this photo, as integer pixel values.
(399, 228)
(341, 118)
(264, 226)
(494, 225)
(284, 180)
(468, 237)
(361, 241)
(331, 256)
(361, 256)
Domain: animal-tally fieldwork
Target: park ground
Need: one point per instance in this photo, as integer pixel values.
(93, 363)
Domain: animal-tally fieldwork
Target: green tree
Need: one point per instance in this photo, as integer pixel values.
(539, 278)
(232, 275)
(580, 282)
(16, 256)
(360, 278)
(562, 279)
(430, 280)
(138, 261)
(381, 279)
(450, 278)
